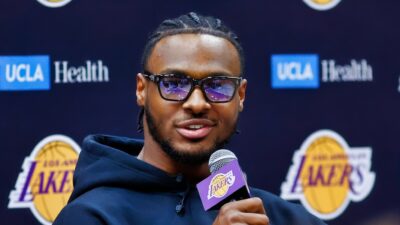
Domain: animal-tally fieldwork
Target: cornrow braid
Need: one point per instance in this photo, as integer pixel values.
(191, 23)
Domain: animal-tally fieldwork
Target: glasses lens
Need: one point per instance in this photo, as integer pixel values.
(175, 88)
(219, 89)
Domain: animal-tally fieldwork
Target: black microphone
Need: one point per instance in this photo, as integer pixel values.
(226, 183)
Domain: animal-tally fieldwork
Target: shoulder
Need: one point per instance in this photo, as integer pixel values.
(283, 212)
(89, 208)
(78, 213)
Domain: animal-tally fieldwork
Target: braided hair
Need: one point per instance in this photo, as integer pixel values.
(191, 23)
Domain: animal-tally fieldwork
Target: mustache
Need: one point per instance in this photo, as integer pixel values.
(195, 116)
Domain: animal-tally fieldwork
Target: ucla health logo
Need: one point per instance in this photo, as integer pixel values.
(322, 4)
(45, 183)
(24, 73)
(295, 71)
(327, 174)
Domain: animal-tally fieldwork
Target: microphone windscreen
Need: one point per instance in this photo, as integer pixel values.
(219, 159)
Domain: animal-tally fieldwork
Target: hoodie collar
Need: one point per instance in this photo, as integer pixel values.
(107, 161)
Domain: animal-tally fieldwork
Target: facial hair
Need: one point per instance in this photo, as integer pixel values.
(183, 157)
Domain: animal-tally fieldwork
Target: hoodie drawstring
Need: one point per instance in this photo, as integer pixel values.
(180, 208)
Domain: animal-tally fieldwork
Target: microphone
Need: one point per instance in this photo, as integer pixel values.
(219, 159)
(226, 182)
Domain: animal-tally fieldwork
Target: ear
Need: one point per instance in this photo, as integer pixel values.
(242, 93)
(140, 89)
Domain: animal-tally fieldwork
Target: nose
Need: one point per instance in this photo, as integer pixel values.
(197, 102)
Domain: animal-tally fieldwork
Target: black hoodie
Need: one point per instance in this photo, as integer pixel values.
(113, 187)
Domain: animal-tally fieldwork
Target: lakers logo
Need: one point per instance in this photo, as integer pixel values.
(54, 3)
(327, 174)
(322, 4)
(45, 183)
(220, 184)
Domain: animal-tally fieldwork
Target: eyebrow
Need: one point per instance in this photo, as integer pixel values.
(183, 73)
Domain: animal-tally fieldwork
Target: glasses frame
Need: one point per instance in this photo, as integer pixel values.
(156, 78)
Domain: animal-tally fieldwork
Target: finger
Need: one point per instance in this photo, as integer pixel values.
(250, 205)
(238, 218)
(254, 219)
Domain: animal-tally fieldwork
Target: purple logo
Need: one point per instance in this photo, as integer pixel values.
(220, 184)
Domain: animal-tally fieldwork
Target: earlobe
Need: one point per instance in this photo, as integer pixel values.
(140, 89)
(242, 94)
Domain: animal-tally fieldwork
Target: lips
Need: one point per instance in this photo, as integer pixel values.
(195, 128)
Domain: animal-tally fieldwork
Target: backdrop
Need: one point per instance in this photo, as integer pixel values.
(321, 120)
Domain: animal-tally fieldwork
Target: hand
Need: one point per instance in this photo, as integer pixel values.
(248, 211)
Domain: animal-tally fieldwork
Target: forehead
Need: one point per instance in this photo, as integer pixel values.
(196, 55)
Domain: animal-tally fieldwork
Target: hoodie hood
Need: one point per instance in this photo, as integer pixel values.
(110, 161)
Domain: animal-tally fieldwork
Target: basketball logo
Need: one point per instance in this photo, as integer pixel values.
(45, 183)
(322, 1)
(322, 4)
(327, 174)
(54, 3)
(220, 184)
(331, 192)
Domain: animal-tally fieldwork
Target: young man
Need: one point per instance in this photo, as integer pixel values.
(191, 92)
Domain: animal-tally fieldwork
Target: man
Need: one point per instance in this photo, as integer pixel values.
(191, 92)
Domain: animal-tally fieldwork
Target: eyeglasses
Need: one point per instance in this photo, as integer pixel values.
(173, 87)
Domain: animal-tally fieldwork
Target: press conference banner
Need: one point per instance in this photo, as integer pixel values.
(320, 126)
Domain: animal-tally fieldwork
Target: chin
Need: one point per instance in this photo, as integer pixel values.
(189, 153)
(194, 148)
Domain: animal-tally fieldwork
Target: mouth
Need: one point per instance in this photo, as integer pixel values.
(195, 128)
